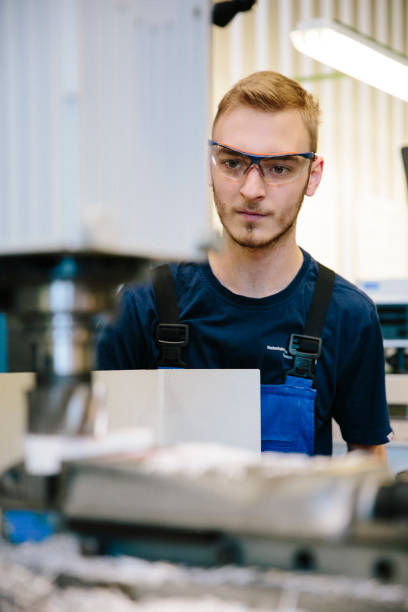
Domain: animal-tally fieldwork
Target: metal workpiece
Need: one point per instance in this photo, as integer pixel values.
(210, 486)
(297, 506)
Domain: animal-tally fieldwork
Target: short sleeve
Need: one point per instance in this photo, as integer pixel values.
(123, 344)
(360, 406)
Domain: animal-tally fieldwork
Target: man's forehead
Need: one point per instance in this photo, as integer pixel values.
(262, 132)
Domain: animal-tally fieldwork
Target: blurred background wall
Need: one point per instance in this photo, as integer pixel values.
(357, 222)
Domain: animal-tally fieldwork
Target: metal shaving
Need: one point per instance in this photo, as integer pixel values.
(59, 557)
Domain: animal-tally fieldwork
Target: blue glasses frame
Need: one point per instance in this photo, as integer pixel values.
(256, 159)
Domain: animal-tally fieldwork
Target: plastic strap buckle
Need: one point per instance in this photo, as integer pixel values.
(305, 350)
(174, 334)
(171, 338)
(305, 346)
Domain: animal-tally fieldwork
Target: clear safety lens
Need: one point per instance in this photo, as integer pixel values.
(274, 169)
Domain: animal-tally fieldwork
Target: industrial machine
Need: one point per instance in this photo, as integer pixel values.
(90, 185)
(209, 505)
(90, 182)
(110, 184)
(391, 299)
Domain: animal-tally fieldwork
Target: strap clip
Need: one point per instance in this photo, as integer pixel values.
(172, 334)
(305, 346)
(305, 350)
(171, 337)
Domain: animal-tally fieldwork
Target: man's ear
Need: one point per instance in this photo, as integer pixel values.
(315, 176)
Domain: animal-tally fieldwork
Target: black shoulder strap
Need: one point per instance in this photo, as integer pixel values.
(320, 301)
(171, 336)
(307, 347)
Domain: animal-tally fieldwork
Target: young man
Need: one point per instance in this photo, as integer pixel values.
(248, 306)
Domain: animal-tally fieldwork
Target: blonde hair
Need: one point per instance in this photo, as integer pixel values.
(270, 91)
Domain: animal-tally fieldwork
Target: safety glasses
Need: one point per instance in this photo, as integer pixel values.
(275, 169)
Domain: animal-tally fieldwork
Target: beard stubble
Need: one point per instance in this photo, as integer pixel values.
(250, 241)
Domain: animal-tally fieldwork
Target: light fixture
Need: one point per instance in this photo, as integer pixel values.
(352, 53)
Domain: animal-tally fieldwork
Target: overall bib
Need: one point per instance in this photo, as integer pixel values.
(287, 409)
(288, 416)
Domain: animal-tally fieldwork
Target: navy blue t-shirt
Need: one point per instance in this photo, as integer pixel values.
(233, 331)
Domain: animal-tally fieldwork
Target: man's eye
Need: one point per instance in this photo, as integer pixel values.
(232, 163)
(278, 170)
(283, 170)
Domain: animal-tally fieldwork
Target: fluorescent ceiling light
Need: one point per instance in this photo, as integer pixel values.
(354, 54)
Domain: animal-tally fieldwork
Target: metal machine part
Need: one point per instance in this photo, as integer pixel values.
(53, 575)
(56, 300)
(391, 299)
(206, 505)
(193, 505)
(224, 12)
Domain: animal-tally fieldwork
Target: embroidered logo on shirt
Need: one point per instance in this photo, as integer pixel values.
(279, 348)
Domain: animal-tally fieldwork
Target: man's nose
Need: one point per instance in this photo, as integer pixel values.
(253, 186)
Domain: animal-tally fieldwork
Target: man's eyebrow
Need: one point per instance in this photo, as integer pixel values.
(272, 156)
(283, 156)
(231, 151)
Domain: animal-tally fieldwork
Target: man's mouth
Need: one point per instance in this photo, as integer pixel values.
(250, 215)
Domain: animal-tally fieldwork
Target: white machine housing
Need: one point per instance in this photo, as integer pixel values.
(103, 123)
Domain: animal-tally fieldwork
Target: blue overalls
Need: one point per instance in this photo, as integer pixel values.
(287, 416)
(287, 409)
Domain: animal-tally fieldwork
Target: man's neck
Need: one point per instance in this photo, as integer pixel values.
(256, 273)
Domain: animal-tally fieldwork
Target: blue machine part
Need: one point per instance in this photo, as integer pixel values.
(394, 321)
(28, 525)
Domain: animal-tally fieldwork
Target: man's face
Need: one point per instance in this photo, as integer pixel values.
(256, 214)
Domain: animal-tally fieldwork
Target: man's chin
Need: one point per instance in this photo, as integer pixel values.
(256, 238)
(255, 242)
